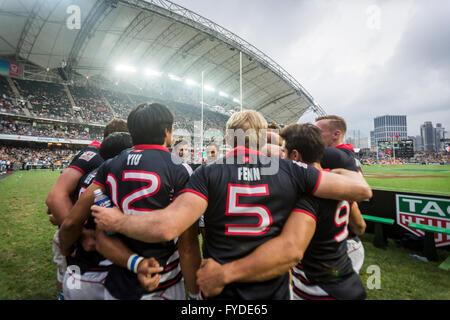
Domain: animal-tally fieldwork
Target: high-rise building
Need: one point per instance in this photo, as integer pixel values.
(428, 134)
(439, 135)
(418, 143)
(388, 127)
(373, 145)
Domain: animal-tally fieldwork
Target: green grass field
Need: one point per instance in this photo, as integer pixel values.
(27, 270)
(429, 179)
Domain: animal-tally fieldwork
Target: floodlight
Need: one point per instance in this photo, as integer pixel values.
(191, 82)
(173, 77)
(152, 73)
(125, 68)
(223, 94)
(236, 100)
(209, 88)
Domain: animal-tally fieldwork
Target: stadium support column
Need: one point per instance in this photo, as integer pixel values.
(240, 76)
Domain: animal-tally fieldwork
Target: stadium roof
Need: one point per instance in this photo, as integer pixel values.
(153, 33)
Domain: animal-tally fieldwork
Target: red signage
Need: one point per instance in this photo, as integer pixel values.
(13, 69)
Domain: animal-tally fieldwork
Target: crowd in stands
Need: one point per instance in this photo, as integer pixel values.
(185, 114)
(50, 101)
(426, 157)
(420, 157)
(68, 131)
(17, 158)
(7, 104)
(120, 103)
(90, 100)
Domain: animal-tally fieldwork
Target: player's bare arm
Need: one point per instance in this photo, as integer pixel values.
(356, 222)
(72, 226)
(112, 248)
(268, 261)
(161, 225)
(58, 200)
(341, 184)
(190, 259)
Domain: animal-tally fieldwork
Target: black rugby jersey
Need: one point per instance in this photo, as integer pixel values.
(247, 208)
(349, 150)
(334, 158)
(87, 159)
(325, 261)
(140, 180)
(343, 157)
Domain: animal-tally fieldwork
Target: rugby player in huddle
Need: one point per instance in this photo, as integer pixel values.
(84, 264)
(333, 129)
(140, 180)
(244, 207)
(62, 196)
(315, 237)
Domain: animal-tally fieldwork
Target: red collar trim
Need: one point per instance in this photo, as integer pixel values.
(327, 170)
(95, 144)
(346, 146)
(150, 146)
(243, 150)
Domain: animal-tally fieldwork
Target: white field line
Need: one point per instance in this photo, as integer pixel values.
(409, 190)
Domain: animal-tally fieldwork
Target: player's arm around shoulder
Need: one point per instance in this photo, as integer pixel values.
(271, 259)
(160, 226)
(72, 226)
(190, 258)
(58, 200)
(342, 184)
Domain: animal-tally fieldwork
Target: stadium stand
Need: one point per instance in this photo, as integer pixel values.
(7, 104)
(47, 99)
(35, 157)
(39, 129)
(50, 101)
(90, 100)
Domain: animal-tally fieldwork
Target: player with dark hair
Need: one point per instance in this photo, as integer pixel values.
(243, 207)
(333, 129)
(115, 125)
(89, 266)
(326, 271)
(114, 144)
(62, 195)
(140, 180)
(314, 233)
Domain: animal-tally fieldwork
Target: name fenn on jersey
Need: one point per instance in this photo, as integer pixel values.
(248, 174)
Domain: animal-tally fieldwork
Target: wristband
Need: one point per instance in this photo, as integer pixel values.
(193, 296)
(133, 262)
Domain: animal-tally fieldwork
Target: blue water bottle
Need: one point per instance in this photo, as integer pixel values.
(102, 200)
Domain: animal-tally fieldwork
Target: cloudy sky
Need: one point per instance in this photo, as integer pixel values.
(358, 59)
